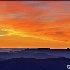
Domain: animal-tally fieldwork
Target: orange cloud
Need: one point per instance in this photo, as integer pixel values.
(34, 25)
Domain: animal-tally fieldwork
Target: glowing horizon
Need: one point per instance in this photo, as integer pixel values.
(35, 24)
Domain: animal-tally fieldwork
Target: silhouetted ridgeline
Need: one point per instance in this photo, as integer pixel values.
(44, 49)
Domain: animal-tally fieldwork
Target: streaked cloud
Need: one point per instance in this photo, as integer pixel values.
(13, 15)
(35, 23)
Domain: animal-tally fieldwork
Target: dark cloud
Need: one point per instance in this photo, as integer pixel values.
(59, 33)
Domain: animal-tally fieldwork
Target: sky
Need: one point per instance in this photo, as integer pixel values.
(35, 24)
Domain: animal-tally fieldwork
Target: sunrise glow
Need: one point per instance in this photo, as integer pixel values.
(35, 24)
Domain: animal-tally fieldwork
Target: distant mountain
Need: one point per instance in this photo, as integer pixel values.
(33, 53)
(10, 55)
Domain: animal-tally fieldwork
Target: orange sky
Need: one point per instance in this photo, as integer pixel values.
(35, 24)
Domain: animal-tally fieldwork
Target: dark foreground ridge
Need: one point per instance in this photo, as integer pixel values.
(35, 64)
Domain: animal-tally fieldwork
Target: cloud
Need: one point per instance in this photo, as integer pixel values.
(14, 15)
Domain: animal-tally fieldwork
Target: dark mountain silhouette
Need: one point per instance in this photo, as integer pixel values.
(35, 64)
(33, 53)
